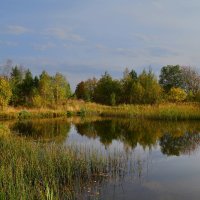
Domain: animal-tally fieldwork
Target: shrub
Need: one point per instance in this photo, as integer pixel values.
(177, 95)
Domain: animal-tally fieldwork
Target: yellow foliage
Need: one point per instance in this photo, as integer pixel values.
(5, 92)
(177, 95)
(37, 101)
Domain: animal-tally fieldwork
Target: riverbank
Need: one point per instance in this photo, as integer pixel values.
(187, 111)
(166, 111)
(69, 109)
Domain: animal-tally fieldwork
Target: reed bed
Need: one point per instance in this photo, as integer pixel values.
(170, 111)
(165, 111)
(33, 170)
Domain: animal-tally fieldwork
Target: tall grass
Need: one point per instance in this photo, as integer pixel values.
(165, 111)
(32, 170)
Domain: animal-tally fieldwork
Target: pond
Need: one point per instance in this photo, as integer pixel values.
(163, 157)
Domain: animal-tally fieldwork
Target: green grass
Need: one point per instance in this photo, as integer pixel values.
(33, 170)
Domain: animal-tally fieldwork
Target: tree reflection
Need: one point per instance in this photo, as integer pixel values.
(42, 129)
(106, 130)
(185, 144)
(174, 138)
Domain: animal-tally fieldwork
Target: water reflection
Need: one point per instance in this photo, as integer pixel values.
(173, 138)
(49, 130)
(154, 151)
(184, 144)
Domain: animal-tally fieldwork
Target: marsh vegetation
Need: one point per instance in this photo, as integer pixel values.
(82, 158)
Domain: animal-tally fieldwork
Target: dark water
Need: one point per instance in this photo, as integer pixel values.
(165, 155)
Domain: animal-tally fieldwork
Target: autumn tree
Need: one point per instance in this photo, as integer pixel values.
(80, 91)
(61, 88)
(149, 88)
(177, 95)
(90, 85)
(182, 77)
(85, 89)
(191, 80)
(5, 92)
(46, 88)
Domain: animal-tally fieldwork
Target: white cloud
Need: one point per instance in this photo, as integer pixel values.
(63, 34)
(43, 47)
(122, 52)
(100, 47)
(16, 30)
(146, 38)
(8, 43)
(159, 51)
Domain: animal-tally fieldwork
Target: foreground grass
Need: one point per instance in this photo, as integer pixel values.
(165, 111)
(32, 170)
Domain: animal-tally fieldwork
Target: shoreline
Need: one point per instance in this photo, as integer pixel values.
(166, 111)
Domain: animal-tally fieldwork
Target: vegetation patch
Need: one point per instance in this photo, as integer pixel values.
(24, 114)
(31, 170)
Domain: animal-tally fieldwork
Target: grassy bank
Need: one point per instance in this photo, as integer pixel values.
(32, 170)
(69, 109)
(157, 112)
(166, 111)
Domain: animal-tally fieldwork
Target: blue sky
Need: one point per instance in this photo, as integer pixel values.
(85, 38)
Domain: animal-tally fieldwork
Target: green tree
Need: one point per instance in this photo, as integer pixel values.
(171, 76)
(85, 89)
(137, 93)
(5, 92)
(133, 75)
(90, 86)
(113, 99)
(151, 89)
(16, 79)
(106, 87)
(61, 88)
(27, 88)
(129, 81)
(81, 91)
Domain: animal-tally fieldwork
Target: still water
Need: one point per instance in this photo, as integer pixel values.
(164, 156)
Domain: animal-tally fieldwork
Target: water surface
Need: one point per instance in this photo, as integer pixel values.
(163, 157)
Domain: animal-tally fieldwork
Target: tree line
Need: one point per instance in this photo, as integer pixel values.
(20, 88)
(175, 84)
